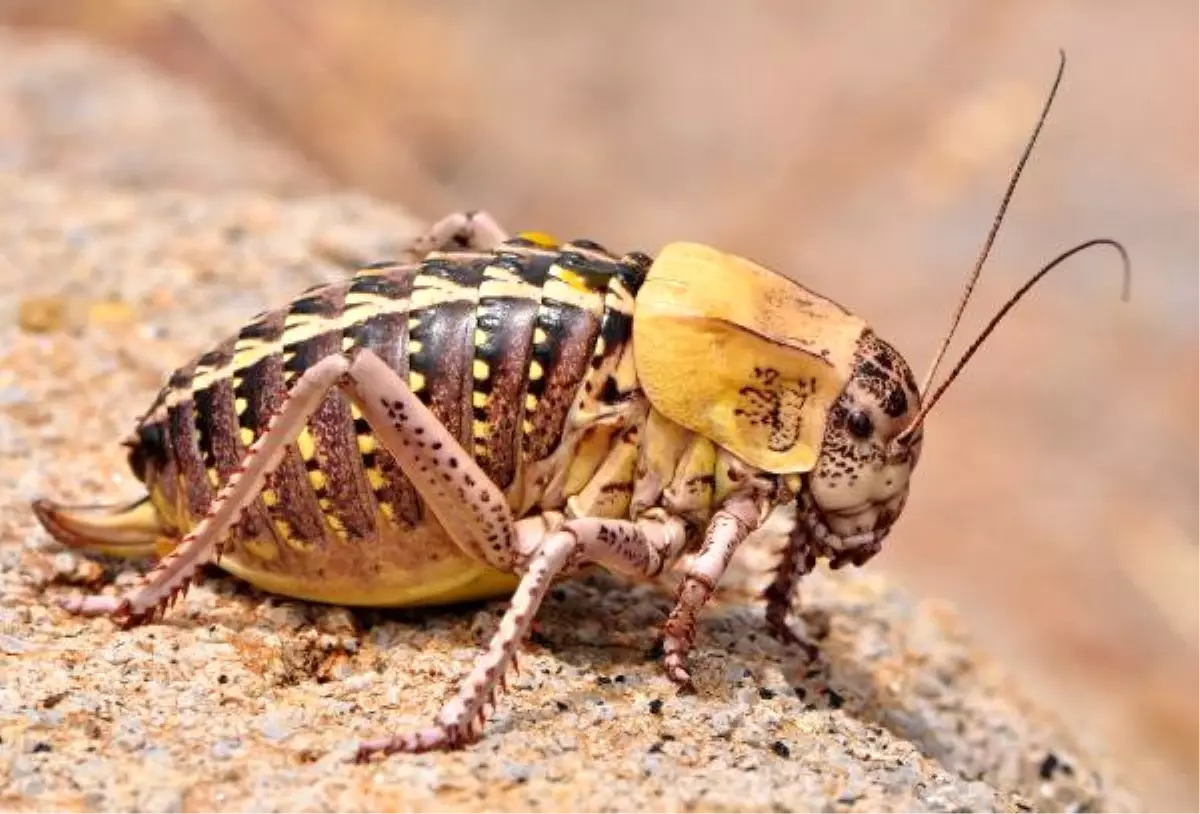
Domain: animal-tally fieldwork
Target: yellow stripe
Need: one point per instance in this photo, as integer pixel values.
(459, 254)
(556, 289)
(250, 351)
(500, 281)
(430, 291)
(365, 299)
(518, 290)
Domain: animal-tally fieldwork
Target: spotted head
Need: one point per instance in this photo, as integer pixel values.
(859, 485)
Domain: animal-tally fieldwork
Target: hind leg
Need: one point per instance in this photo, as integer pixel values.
(472, 509)
(176, 570)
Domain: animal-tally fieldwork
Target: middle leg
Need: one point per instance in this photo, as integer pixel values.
(642, 548)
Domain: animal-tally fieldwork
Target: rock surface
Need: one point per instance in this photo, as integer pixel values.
(75, 109)
(242, 701)
(239, 700)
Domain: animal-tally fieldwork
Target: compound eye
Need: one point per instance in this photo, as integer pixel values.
(860, 425)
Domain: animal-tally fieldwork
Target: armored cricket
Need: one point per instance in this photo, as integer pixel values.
(493, 413)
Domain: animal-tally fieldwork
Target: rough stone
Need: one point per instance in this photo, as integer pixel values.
(240, 701)
(902, 714)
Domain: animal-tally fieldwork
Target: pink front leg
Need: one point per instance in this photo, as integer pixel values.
(730, 526)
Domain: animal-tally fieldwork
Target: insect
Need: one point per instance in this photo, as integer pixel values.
(494, 413)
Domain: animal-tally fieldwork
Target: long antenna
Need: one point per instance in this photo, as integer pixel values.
(929, 402)
(991, 238)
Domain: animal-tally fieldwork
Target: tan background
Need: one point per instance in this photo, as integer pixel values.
(864, 154)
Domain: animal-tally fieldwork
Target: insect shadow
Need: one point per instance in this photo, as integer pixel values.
(608, 627)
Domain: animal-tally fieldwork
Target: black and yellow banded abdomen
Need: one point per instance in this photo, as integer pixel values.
(498, 344)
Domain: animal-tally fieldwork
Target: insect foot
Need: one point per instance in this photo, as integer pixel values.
(729, 528)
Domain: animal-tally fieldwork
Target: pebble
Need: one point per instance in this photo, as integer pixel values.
(11, 395)
(13, 646)
(358, 682)
(65, 564)
(129, 735)
(160, 800)
(42, 315)
(225, 749)
(276, 726)
(725, 721)
(33, 786)
(516, 772)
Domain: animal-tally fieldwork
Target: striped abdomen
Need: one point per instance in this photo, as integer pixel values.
(501, 345)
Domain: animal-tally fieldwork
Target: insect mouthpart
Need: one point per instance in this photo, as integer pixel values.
(842, 549)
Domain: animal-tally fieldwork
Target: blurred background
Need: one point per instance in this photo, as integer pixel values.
(1056, 503)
